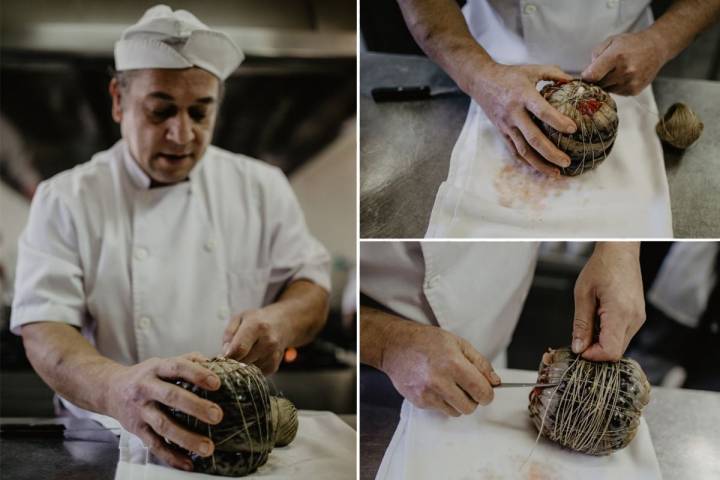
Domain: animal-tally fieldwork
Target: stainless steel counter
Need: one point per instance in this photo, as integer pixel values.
(405, 150)
(684, 426)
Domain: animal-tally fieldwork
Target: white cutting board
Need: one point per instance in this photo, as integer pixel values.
(495, 442)
(323, 449)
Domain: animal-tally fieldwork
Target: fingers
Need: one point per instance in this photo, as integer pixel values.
(174, 368)
(611, 342)
(599, 67)
(242, 342)
(597, 51)
(231, 329)
(478, 386)
(538, 141)
(526, 153)
(583, 319)
(162, 450)
(271, 363)
(552, 72)
(434, 401)
(548, 114)
(458, 399)
(187, 402)
(167, 428)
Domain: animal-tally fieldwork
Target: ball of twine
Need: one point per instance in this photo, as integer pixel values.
(596, 407)
(595, 114)
(680, 127)
(252, 419)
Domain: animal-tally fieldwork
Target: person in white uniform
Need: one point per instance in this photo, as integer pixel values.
(442, 312)
(613, 43)
(164, 249)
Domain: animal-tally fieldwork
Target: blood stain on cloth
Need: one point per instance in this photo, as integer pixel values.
(518, 185)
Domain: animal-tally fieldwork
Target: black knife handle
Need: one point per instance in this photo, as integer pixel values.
(400, 94)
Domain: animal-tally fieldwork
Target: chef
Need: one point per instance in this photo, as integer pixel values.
(499, 50)
(437, 315)
(164, 249)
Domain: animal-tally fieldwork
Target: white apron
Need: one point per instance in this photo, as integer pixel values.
(488, 193)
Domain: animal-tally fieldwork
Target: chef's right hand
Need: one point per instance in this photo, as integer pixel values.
(435, 369)
(135, 396)
(507, 95)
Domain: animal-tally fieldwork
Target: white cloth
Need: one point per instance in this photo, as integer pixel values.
(685, 281)
(497, 440)
(151, 272)
(166, 39)
(475, 290)
(324, 449)
(488, 193)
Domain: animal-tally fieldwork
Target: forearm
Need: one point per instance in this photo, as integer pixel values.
(305, 305)
(69, 364)
(682, 22)
(630, 250)
(440, 29)
(375, 326)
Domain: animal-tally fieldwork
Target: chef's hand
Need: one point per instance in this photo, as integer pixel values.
(136, 393)
(507, 95)
(258, 337)
(609, 290)
(627, 63)
(435, 369)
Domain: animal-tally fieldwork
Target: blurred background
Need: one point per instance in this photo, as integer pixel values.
(383, 30)
(678, 346)
(291, 103)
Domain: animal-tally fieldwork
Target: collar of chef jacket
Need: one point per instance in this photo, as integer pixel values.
(143, 181)
(553, 32)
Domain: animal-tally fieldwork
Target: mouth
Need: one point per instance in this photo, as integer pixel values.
(174, 158)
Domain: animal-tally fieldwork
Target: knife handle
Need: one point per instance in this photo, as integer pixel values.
(400, 94)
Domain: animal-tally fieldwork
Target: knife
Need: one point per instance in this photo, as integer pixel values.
(535, 385)
(409, 93)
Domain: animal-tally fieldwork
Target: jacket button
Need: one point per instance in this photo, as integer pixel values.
(210, 245)
(529, 9)
(144, 322)
(612, 3)
(140, 253)
(223, 313)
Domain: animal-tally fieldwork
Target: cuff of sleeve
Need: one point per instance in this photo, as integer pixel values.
(318, 274)
(44, 313)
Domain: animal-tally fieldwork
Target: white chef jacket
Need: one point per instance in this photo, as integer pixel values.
(149, 272)
(685, 281)
(554, 32)
(475, 290)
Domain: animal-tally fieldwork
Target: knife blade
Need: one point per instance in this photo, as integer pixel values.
(405, 93)
(534, 385)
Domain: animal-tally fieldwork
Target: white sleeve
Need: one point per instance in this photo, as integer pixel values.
(49, 278)
(294, 253)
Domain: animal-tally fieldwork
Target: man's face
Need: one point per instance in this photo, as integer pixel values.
(167, 117)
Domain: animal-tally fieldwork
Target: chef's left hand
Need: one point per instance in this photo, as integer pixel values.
(258, 337)
(627, 63)
(609, 290)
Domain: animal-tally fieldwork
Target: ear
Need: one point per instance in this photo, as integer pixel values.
(115, 93)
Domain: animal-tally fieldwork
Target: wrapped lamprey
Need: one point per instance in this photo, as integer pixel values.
(595, 114)
(596, 407)
(254, 421)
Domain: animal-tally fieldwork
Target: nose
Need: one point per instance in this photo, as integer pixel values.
(180, 129)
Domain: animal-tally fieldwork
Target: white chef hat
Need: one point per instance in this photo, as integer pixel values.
(166, 39)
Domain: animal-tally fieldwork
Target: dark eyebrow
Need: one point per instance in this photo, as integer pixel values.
(170, 98)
